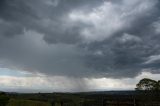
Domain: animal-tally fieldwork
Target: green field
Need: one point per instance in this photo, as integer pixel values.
(14, 102)
(80, 99)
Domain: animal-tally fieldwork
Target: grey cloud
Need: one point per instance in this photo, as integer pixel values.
(40, 16)
(127, 57)
(58, 38)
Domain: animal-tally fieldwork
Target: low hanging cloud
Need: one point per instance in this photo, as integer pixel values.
(98, 38)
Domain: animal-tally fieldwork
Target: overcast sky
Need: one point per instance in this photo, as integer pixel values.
(78, 45)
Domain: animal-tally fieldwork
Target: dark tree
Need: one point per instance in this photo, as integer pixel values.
(158, 85)
(148, 84)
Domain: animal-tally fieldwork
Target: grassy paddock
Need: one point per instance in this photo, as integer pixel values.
(14, 102)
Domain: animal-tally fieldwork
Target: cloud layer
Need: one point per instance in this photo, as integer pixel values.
(65, 84)
(98, 38)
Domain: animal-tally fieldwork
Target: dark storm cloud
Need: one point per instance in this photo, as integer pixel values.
(48, 17)
(123, 58)
(81, 38)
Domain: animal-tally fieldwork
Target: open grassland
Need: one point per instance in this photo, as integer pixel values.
(14, 102)
(124, 98)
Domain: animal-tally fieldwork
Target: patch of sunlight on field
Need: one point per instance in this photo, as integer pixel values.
(14, 102)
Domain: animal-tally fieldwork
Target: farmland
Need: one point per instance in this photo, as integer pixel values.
(16, 102)
(110, 98)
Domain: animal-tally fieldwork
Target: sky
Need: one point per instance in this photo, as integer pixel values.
(78, 45)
